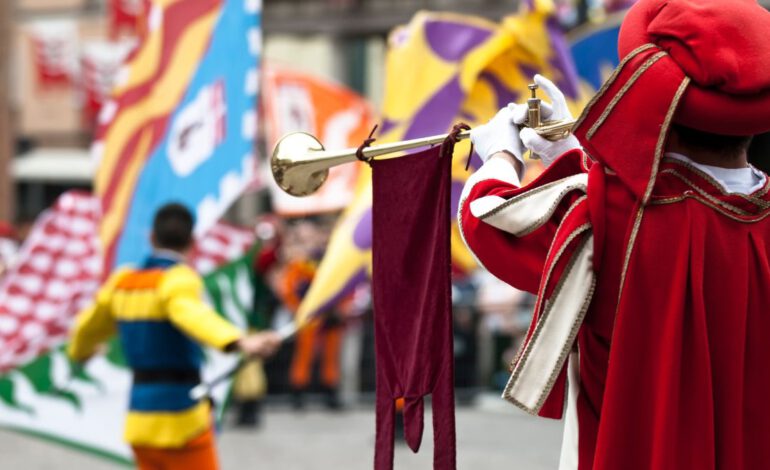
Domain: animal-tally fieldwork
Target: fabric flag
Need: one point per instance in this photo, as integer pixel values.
(127, 16)
(617, 5)
(100, 62)
(236, 290)
(413, 302)
(221, 244)
(55, 48)
(295, 101)
(57, 273)
(182, 121)
(440, 69)
(595, 51)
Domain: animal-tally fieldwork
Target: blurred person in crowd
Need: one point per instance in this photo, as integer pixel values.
(158, 312)
(648, 238)
(322, 337)
(506, 313)
(250, 386)
(465, 321)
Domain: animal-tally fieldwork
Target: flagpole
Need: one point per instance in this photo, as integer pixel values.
(204, 389)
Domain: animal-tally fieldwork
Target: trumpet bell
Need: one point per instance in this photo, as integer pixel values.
(292, 164)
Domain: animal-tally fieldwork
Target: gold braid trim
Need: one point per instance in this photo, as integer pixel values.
(523, 355)
(547, 215)
(754, 199)
(706, 195)
(626, 86)
(629, 250)
(610, 81)
(696, 197)
(547, 275)
(663, 135)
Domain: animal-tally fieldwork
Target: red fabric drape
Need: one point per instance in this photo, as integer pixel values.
(412, 302)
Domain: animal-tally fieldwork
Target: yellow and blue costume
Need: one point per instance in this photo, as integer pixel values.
(160, 316)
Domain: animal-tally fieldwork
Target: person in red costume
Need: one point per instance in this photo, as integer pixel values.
(647, 240)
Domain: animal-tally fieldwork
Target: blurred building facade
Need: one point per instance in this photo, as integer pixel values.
(365, 17)
(45, 126)
(57, 46)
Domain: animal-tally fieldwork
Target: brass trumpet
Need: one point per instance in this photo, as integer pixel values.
(300, 164)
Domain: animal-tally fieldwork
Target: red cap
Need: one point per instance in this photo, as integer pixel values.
(700, 63)
(722, 46)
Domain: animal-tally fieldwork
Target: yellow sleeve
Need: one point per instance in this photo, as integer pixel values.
(181, 292)
(95, 324)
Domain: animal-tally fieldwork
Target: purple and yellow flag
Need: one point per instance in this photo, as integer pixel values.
(443, 68)
(182, 120)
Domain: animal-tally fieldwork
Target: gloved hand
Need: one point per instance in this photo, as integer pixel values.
(547, 150)
(498, 135)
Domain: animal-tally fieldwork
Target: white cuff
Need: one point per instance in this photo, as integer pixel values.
(499, 167)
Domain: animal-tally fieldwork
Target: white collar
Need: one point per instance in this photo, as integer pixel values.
(741, 180)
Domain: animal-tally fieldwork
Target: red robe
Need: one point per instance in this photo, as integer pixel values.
(673, 355)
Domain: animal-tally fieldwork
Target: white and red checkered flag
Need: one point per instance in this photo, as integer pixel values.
(55, 49)
(57, 272)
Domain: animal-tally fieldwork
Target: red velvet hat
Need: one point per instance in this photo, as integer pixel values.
(723, 46)
(702, 63)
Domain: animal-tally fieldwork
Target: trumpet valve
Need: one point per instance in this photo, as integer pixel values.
(534, 114)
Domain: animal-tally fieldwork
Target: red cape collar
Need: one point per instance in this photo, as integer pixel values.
(678, 181)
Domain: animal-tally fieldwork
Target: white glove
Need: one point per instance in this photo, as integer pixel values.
(547, 150)
(498, 135)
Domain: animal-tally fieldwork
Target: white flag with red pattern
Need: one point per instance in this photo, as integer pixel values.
(57, 272)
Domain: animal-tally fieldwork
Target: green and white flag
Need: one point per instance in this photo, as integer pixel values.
(234, 288)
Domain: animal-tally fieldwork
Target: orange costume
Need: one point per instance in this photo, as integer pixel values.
(198, 454)
(297, 278)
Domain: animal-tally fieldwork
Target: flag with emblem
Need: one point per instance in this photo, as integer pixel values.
(297, 101)
(468, 69)
(594, 49)
(181, 122)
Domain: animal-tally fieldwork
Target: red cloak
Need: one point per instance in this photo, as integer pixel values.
(672, 348)
(672, 355)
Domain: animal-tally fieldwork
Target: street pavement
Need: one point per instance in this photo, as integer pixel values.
(490, 435)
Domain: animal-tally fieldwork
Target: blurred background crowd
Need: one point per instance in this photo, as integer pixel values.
(63, 56)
